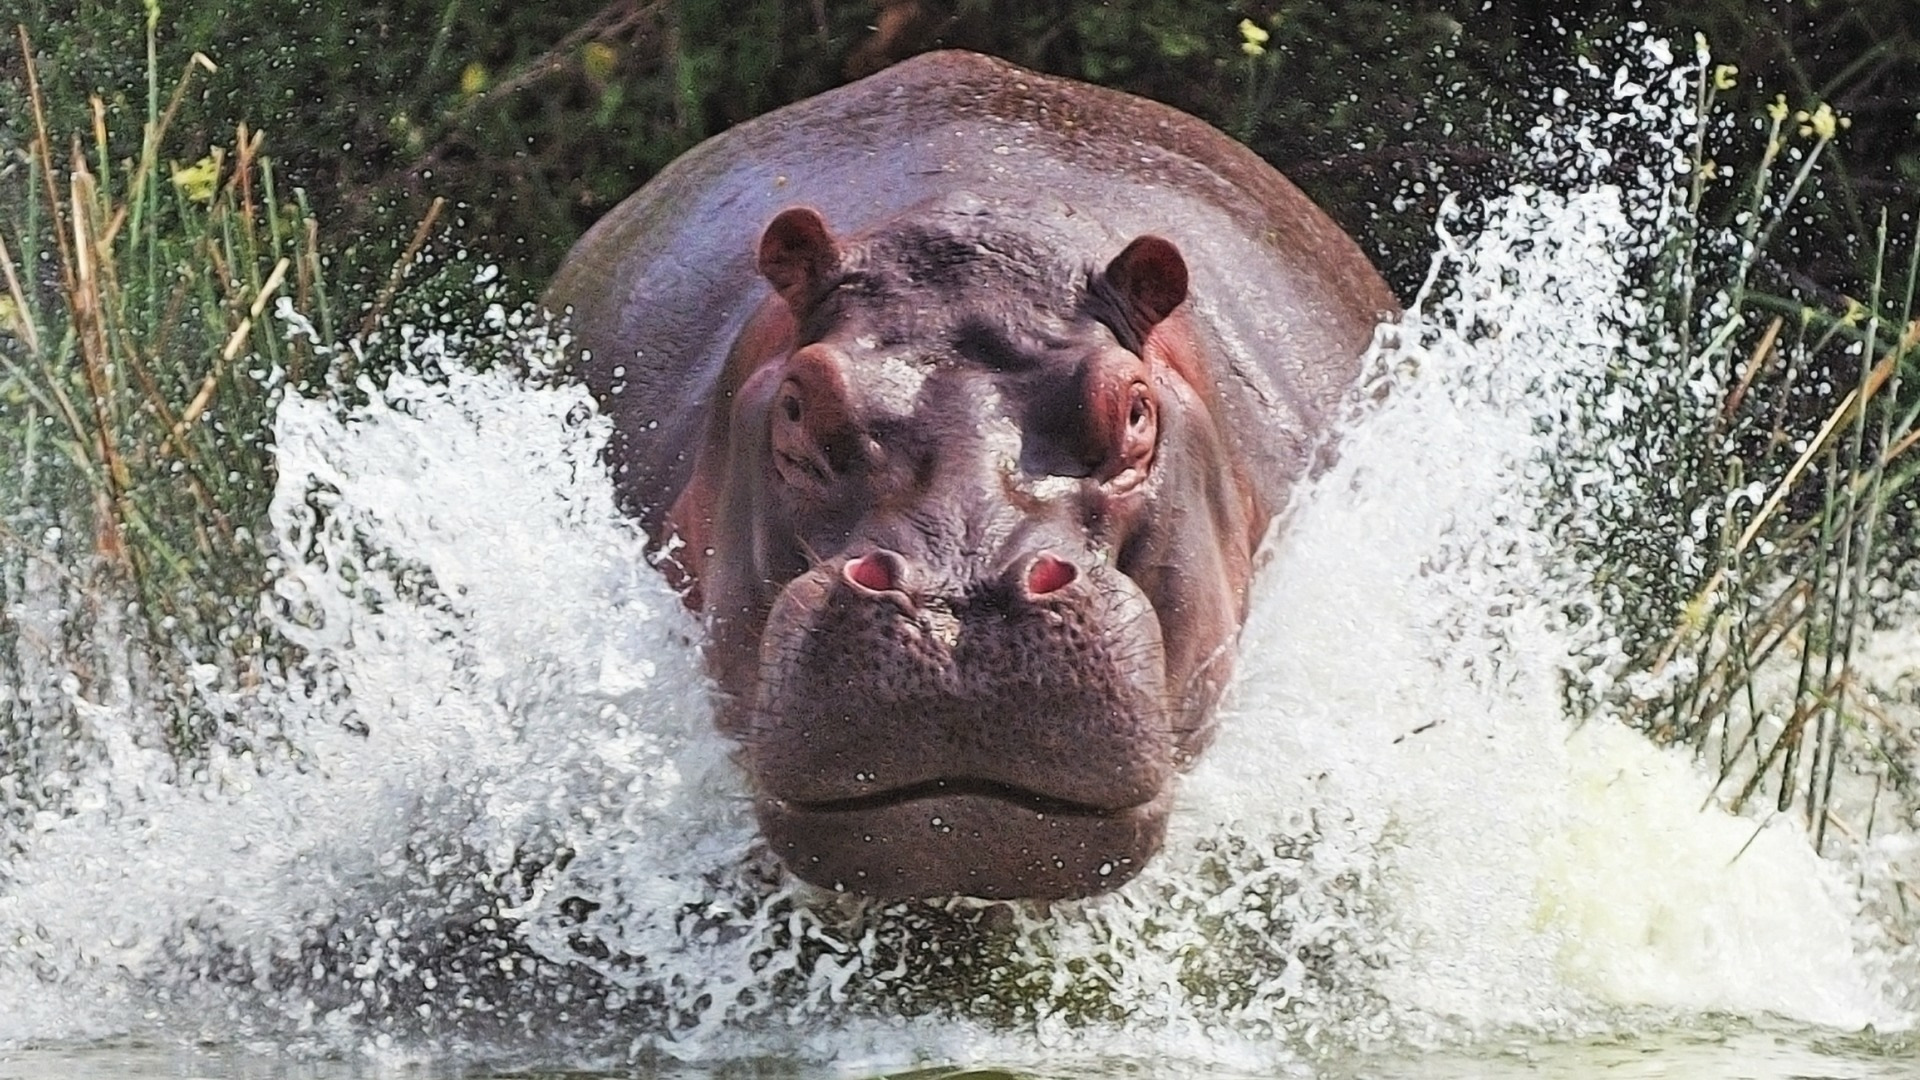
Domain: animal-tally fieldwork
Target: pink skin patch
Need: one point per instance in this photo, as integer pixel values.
(1049, 575)
(874, 572)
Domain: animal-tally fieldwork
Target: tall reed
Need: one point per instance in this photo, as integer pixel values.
(140, 359)
(1773, 435)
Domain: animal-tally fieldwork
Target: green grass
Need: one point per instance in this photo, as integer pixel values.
(140, 361)
(1776, 436)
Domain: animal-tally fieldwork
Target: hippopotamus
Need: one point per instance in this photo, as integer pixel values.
(958, 400)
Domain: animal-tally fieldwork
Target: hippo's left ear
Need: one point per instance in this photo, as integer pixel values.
(798, 255)
(1144, 283)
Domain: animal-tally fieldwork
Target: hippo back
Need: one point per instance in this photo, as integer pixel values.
(659, 290)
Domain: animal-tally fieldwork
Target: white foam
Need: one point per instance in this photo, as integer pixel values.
(1404, 676)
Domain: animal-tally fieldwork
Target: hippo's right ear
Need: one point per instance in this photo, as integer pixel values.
(798, 255)
(1142, 286)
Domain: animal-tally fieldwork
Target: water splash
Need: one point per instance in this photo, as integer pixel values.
(499, 824)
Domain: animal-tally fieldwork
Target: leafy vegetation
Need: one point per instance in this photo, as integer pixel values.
(135, 371)
(1771, 523)
(151, 311)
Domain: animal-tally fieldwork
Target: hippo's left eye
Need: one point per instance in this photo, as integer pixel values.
(1130, 449)
(1102, 426)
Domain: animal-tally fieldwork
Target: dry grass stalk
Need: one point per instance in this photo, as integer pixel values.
(1756, 363)
(22, 323)
(235, 342)
(399, 273)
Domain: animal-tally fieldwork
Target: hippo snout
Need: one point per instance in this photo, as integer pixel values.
(894, 700)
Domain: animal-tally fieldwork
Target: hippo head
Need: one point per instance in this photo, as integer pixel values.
(978, 556)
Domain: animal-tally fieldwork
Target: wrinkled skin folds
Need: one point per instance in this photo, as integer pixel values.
(958, 400)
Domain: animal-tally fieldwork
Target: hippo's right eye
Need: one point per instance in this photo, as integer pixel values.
(812, 436)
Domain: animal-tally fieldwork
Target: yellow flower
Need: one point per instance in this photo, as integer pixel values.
(598, 59)
(198, 180)
(1778, 110)
(1822, 123)
(1253, 37)
(1709, 170)
(1724, 76)
(473, 78)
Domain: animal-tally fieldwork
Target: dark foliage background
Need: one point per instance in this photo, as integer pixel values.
(533, 119)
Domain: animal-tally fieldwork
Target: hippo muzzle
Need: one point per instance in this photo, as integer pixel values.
(1007, 737)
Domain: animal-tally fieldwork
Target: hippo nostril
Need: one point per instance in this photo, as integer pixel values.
(1050, 574)
(878, 571)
